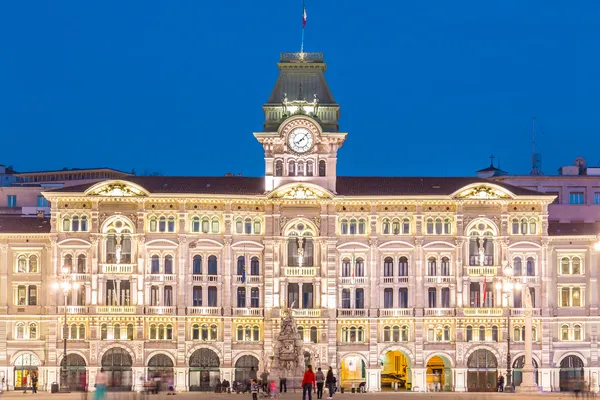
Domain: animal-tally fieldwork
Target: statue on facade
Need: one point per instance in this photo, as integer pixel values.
(481, 254)
(284, 102)
(118, 250)
(527, 300)
(316, 105)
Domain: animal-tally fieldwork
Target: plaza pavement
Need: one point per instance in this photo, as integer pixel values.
(298, 395)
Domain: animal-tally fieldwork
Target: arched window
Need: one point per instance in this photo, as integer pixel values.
(386, 334)
(469, 333)
(169, 332)
(438, 226)
(406, 226)
(205, 225)
(403, 266)
(344, 227)
(446, 333)
(300, 168)
(362, 227)
(162, 224)
(346, 267)
(396, 333)
(240, 333)
(577, 332)
(161, 332)
(213, 332)
(154, 264)
(395, 227)
(103, 332)
(310, 168)
(196, 224)
(300, 331)
(255, 333)
(360, 334)
(482, 333)
(239, 226)
(445, 266)
(74, 330)
(75, 223)
(291, 168)
(20, 330)
(322, 168)
(517, 266)
(254, 266)
(152, 224)
(33, 331)
(564, 266)
(81, 331)
(385, 226)
(215, 228)
(81, 264)
(278, 168)
(257, 226)
(22, 264)
(68, 262)
(576, 266)
(169, 264)
(66, 224)
(212, 265)
(534, 333)
(117, 332)
(171, 224)
(515, 226)
(404, 333)
(517, 334)
(195, 332)
(530, 266)
(524, 226)
(353, 226)
(33, 264)
(84, 226)
(532, 226)
(197, 265)
(241, 265)
(429, 225)
(431, 266)
(447, 226)
(248, 226)
(564, 332)
(494, 333)
(388, 266)
(359, 269)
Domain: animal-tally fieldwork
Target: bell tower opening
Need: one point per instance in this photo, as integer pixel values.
(301, 134)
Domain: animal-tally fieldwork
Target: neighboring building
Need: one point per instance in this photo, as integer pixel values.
(21, 192)
(391, 279)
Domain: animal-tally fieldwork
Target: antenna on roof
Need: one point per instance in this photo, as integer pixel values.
(536, 158)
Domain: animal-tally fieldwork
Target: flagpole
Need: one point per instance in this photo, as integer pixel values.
(302, 43)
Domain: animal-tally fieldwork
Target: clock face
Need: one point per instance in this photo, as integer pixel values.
(300, 140)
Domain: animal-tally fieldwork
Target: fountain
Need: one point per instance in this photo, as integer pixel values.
(288, 359)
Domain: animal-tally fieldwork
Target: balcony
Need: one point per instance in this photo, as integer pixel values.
(352, 312)
(482, 271)
(306, 312)
(73, 309)
(118, 268)
(528, 279)
(214, 311)
(161, 310)
(520, 312)
(250, 279)
(206, 278)
(115, 309)
(357, 280)
(396, 312)
(440, 312)
(308, 272)
(439, 279)
(485, 312)
(394, 279)
(80, 277)
(161, 277)
(248, 312)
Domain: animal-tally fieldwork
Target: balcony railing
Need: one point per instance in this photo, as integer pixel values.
(439, 312)
(115, 309)
(471, 312)
(206, 278)
(439, 279)
(250, 279)
(528, 279)
(161, 310)
(520, 312)
(482, 271)
(248, 312)
(357, 280)
(118, 268)
(73, 309)
(300, 271)
(204, 310)
(396, 312)
(161, 277)
(306, 312)
(394, 279)
(80, 277)
(352, 312)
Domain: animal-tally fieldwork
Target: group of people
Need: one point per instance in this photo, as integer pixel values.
(157, 381)
(315, 381)
(33, 380)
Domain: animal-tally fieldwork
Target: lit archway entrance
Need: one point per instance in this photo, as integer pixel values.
(26, 366)
(76, 372)
(117, 365)
(482, 372)
(517, 371)
(571, 371)
(439, 375)
(243, 366)
(396, 371)
(204, 370)
(352, 372)
(160, 365)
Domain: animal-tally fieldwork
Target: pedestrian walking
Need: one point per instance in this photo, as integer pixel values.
(101, 381)
(282, 385)
(320, 377)
(254, 389)
(330, 382)
(501, 383)
(308, 383)
(25, 384)
(34, 382)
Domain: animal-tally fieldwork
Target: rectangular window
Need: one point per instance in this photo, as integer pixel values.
(474, 294)
(359, 301)
(241, 297)
(212, 296)
(432, 297)
(388, 298)
(197, 296)
(293, 295)
(32, 300)
(42, 202)
(254, 298)
(576, 198)
(597, 198)
(403, 298)
(11, 200)
(445, 298)
(346, 298)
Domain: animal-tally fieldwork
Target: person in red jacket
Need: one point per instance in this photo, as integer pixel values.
(308, 383)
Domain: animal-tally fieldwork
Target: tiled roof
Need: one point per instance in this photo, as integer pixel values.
(20, 224)
(346, 185)
(573, 228)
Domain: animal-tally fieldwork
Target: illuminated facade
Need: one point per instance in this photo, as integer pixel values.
(391, 279)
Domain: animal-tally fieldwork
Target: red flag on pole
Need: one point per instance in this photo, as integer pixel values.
(484, 289)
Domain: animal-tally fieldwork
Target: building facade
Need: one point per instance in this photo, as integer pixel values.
(392, 280)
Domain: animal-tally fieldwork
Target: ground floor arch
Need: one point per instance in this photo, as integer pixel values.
(396, 371)
(482, 371)
(438, 374)
(161, 365)
(246, 367)
(204, 370)
(117, 364)
(26, 367)
(76, 372)
(571, 373)
(517, 369)
(353, 372)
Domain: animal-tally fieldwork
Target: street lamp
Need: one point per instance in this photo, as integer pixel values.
(64, 282)
(508, 283)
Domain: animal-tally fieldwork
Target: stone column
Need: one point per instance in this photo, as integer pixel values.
(528, 384)
(418, 380)
(373, 379)
(460, 379)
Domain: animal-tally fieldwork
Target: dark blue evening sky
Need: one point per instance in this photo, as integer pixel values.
(426, 87)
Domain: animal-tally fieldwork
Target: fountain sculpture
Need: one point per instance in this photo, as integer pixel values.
(288, 359)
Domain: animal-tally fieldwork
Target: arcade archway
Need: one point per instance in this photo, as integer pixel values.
(396, 371)
(482, 371)
(438, 376)
(517, 370)
(76, 372)
(117, 365)
(26, 366)
(161, 365)
(571, 372)
(352, 372)
(243, 367)
(204, 370)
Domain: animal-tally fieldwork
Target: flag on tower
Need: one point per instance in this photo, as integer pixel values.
(303, 15)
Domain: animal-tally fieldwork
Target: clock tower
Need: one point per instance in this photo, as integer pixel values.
(301, 136)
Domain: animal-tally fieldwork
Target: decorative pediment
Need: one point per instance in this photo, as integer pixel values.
(294, 191)
(483, 192)
(117, 189)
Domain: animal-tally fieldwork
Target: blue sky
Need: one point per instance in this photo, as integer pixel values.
(426, 88)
